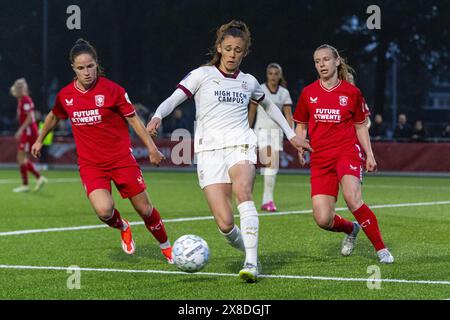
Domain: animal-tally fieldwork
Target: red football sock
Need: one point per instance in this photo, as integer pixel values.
(342, 225)
(155, 225)
(24, 174)
(32, 169)
(369, 224)
(115, 221)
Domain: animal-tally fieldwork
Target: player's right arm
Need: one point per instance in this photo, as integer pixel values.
(51, 121)
(185, 89)
(164, 109)
(252, 109)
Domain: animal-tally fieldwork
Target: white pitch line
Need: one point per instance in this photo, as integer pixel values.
(285, 213)
(300, 184)
(320, 278)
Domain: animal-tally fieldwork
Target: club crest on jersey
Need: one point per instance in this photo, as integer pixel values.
(313, 100)
(69, 102)
(244, 85)
(100, 100)
(343, 100)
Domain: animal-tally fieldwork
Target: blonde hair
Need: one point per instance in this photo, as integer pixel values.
(18, 83)
(345, 71)
(234, 28)
(275, 65)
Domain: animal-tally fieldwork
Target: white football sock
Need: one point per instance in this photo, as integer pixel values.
(270, 176)
(250, 229)
(234, 238)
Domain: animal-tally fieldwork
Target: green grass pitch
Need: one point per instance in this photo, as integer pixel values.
(290, 244)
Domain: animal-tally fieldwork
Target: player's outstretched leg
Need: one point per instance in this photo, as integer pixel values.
(369, 224)
(250, 230)
(155, 225)
(153, 222)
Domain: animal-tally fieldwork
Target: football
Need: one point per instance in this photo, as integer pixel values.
(190, 253)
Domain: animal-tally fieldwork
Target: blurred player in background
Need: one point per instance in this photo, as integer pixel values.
(224, 143)
(334, 113)
(270, 135)
(100, 112)
(26, 135)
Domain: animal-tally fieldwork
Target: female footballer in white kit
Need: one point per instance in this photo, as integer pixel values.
(224, 144)
(270, 135)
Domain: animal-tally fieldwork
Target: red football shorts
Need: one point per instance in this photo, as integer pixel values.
(128, 179)
(325, 178)
(26, 142)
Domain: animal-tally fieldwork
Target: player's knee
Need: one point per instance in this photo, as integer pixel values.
(104, 212)
(323, 220)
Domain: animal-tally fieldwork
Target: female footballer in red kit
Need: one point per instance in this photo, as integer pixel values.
(100, 112)
(26, 134)
(334, 113)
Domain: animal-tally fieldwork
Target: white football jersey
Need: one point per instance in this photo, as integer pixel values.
(281, 98)
(221, 102)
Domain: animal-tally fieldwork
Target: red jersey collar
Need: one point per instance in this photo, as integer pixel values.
(82, 91)
(329, 90)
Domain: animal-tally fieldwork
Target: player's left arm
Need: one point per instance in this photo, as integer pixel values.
(362, 132)
(25, 124)
(275, 113)
(155, 155)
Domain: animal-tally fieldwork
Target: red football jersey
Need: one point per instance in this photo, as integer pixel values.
(98, 121)
(24, 107)
(331, 115)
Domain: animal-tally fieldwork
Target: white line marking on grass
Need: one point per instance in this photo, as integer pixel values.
(320, 278)
(51, 180)
(382, 206)
(300, 184)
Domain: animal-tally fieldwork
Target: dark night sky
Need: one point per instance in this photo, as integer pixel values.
(148, 46)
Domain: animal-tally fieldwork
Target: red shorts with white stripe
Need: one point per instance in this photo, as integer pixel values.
(325, 178)
(126, 175)
(27, 141)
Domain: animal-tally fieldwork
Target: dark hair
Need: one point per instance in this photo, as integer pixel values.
(82, 46)
(345, 72)
(234, 28)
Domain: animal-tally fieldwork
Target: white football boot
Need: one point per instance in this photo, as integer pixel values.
(22, 188)
(349, 241)
(385, 256)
